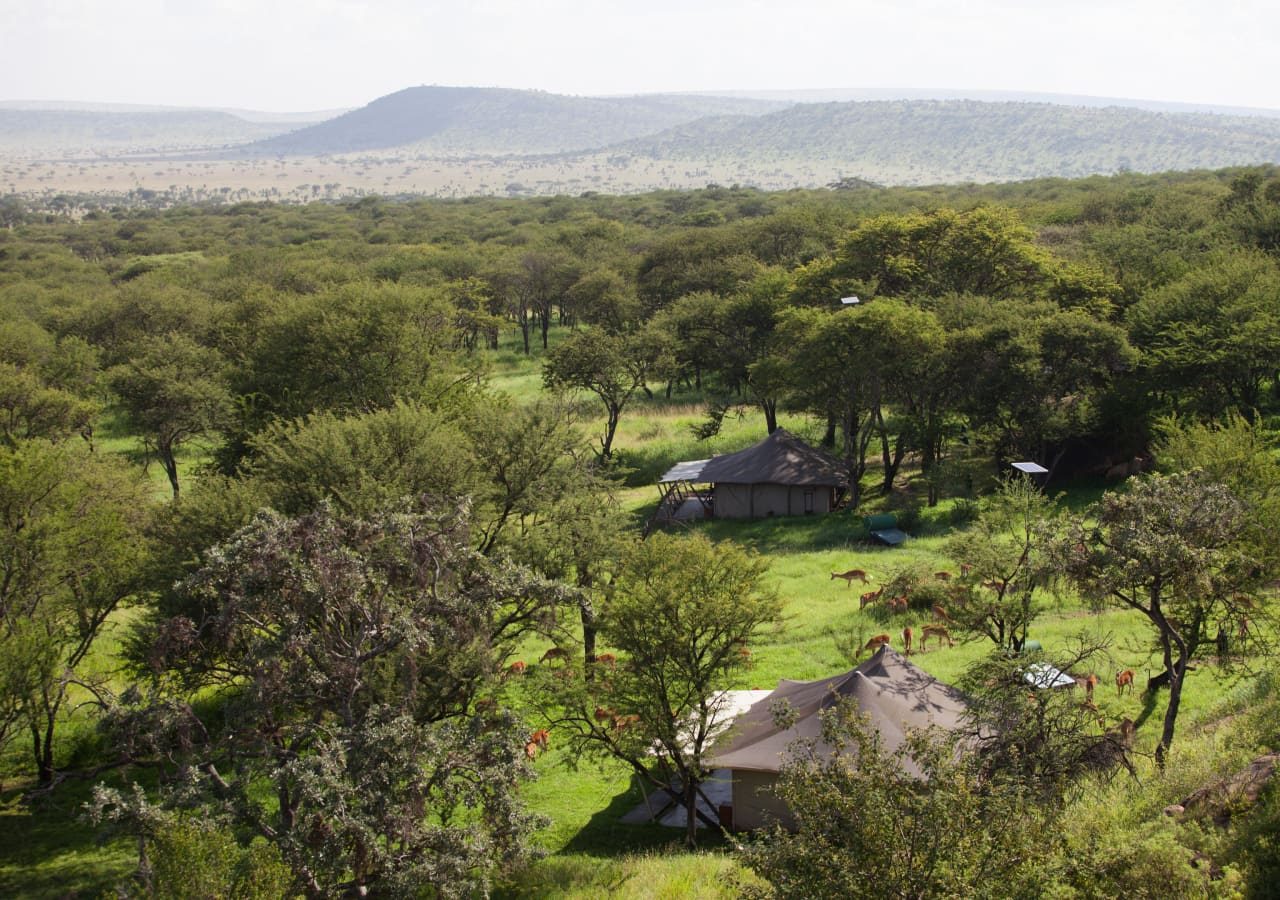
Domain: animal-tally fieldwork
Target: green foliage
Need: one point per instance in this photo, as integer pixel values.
(922, 821)
(1172, 548)
(346, 654)
(681, 614)
(1008, 568)
(171, 391)
(71, 551)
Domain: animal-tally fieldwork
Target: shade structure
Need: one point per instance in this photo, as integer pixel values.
(895, 695)
(779, 476)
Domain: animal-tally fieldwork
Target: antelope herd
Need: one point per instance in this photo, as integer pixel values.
(899, 604)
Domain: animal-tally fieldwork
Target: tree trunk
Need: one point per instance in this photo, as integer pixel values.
(770, 408)
(545, 317)
(829, 437)
(611, 426)
(170, 464)
(691, 812)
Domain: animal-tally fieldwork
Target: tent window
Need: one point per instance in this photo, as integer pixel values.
(808, 501)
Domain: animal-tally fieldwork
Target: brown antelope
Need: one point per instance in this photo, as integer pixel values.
(605, 714)
(517, 668)
(554, 653)
(898, 604)
(622, 723)
(606, 659)
(876, 642)
(942, 576)
(940, 613)
(850, 575)
(906, 640)
(538, 741)
(938, 631)
(870, 597)
(965, 569)
(1089, 683)
(1124, 679)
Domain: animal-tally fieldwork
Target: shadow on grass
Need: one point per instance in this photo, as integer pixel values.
(49, 851)
(606, 835)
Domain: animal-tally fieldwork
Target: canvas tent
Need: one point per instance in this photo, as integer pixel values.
(780, 476)
(896, 695)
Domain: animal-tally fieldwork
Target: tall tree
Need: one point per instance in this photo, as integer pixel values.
(610, 366)
(345, 656)
(71, 551)
(1172, 549)
(1004, 552)
(681, 614)
(172, 391)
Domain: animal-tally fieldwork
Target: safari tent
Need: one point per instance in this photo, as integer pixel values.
(896, 695)
(780, 476)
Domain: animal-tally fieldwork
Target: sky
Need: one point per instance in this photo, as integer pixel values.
(294, 55)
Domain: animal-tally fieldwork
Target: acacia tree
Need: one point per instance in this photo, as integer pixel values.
(172, 390)
(1004, 550)
(681, 614)
(71, 551)
(1172, 548)
(610, 366)
(345, 656)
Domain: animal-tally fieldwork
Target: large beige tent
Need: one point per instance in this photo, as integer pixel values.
(780, 476)
(896, 695)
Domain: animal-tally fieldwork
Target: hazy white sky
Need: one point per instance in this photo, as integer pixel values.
(290, 55)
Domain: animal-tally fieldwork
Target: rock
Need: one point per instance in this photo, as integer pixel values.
(1236, 793)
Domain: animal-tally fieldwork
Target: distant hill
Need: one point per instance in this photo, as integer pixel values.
(843, 95)
(80, 132)
(463, 121)
(920, 141)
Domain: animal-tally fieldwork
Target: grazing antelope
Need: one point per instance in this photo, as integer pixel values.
(876, 642)
(906, 640)
(942, 576)
(554, 653)
(870, 597)
(1124, 679)
(1089, 683)
(898, 604)
(938, 631)
(622, 723)
(606, 659)
(538, 741)
(850, 575)
(940, 613)
(517, 668)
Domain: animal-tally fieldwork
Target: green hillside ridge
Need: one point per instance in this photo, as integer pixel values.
(967, 140)
(498, 121)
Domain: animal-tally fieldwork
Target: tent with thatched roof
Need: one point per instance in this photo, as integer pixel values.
(780, 476)
(893, 693)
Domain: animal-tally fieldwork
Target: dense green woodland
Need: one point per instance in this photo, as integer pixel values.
(294, 498)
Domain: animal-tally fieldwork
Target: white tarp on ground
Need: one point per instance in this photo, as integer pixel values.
(1044, 676)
